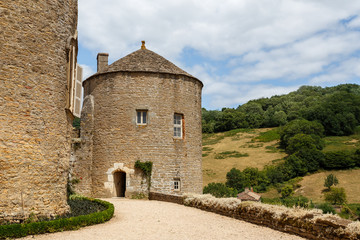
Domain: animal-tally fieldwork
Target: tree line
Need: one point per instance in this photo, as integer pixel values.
(337, 109)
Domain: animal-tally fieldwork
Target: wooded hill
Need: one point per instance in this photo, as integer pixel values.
(336, 108)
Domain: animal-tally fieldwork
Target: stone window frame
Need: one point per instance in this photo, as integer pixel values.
(178, 126)
(177, 184)
(74, 77)
(142, 112)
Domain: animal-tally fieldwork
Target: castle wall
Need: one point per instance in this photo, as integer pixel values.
(118, 142)
(34, 126)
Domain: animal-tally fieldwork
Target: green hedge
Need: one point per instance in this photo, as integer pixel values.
(58, 225)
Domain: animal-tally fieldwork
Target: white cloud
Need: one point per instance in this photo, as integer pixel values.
(87, 71)
(285, 40)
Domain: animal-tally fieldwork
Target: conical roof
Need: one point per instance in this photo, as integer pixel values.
(144, 60)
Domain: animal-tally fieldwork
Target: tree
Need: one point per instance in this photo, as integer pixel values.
(299, 126)
(330, 180)
(287, 191)
(219, 190)
(235, 179)
(336, 196)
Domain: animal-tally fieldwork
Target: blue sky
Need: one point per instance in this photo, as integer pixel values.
(239, 49)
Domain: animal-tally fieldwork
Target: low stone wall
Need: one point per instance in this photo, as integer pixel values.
(310, 224)
(166, 197)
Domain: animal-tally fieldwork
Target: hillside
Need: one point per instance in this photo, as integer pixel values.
(236, 148)
(242, 148)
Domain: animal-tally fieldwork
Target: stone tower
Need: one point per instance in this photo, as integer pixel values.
(141, 107)
(38, 60)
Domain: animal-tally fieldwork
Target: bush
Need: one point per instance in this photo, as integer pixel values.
(336, 196)
(338, 160)
(62, 224)
(287, 191)
(299, 201)
(326, 208)
(219, 190)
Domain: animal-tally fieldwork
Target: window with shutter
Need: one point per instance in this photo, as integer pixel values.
(74, 78)
(77, 92)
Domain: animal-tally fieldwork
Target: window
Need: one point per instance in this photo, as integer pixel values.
(74, 77)
(176, 184)
(178, 126)
(141, 117)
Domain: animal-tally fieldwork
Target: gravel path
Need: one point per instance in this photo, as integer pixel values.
(143, 219)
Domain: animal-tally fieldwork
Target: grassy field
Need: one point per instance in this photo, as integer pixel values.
(243, 148)
(236, 148)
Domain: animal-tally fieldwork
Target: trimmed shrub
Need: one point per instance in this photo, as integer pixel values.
(62, 224)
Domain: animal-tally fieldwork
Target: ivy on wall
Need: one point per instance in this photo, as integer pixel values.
(146, 168)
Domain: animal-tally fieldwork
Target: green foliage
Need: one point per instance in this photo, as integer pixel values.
(350, 211)
(269, 136)
(336, 196)
(139, 196)
(299, 201)
(339, 160)
(232, 154)
(336, 108)
(61, 224)
(299, 126)
(326, 208)
(287, 191)
(76, 123)
(330, 180)
(146, 167)
(219, 190)
(207, 149)
(235, 179)
(250, 177)
(304, 142)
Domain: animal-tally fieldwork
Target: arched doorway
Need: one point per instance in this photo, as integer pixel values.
(120, 183)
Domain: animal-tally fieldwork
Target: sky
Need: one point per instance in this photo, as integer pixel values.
(240, 49)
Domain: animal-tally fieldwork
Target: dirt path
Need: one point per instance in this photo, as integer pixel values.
(142, 219)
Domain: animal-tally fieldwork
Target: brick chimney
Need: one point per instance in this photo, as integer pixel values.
(102, 61)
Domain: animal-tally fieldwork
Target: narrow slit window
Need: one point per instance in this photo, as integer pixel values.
(178, 127)
(141, 117)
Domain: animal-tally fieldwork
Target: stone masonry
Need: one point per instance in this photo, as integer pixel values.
(112, 141)
(35, 128)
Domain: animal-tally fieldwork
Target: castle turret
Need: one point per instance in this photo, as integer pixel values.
(140, 108)
(37, 75)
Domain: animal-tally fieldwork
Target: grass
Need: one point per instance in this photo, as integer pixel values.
(214, 138)
(269, 136)
(230, 154)
(207, 149)
(312, 186)
(215, 170)
(341, 143)
(263, 150)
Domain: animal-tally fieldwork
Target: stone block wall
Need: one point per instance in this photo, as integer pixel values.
(118, 142)
(35, 129)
